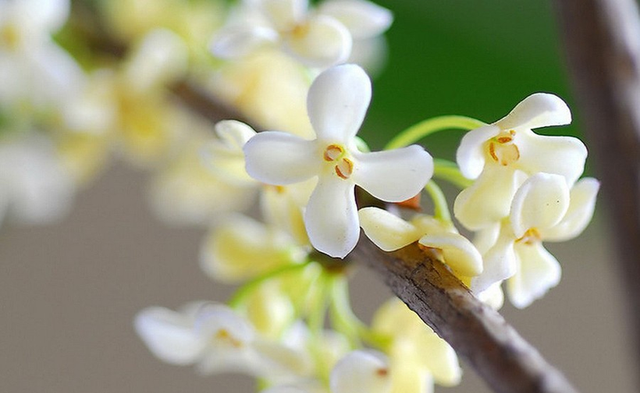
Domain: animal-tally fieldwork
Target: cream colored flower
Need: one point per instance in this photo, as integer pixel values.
(319, 38)
(502, 155)
(337, 103)
(241, 248)
(216, 339)
(34, 185)
(417, 356)
(390, 233)
(543, 209)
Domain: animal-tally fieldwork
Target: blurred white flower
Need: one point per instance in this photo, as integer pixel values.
(216, 339)
(337, 102)
(34, 185)
(502, 155)
(318, 38)
(35, 73)
(417, 356)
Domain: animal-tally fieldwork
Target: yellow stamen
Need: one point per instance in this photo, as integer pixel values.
(333, 153)
(531, 236)
(502, 149)
(226, 337)
(344, 168)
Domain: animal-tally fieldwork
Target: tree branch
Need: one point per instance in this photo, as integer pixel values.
(602, 47)
(479, 334)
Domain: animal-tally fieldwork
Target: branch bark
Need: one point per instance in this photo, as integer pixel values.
(602, 48)
(479, 334)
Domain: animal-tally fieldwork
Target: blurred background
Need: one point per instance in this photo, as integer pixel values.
(69, 291)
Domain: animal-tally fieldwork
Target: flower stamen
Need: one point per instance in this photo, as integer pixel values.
(333, 152)
(344, 168)
(224, 336)
(531, 236)
(502, 149)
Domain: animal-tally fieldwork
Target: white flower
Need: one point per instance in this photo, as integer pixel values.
(216, 339)
(318, 38)
(33, 69)
(361, 371)
(34, 185)
(390, 233)
(337, 102)
(502, 155)
(543, 209)
(417, 356)
(241, 248)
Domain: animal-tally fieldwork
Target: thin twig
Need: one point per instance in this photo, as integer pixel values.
(602, 47)
(479, 334)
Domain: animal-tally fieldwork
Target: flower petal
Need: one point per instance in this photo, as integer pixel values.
(284, 14)
(537, 110)
(538, 272)
(363, 19)
(540, 203)
(470, 154)
(499, 262)
(561, 155)
(279, 158)
(331, 217)
(457, 251)
(578, 216)
(488, 200)
(361, 371)
(393, 175)
(337, 102)
(241, 248)
(319, 42)
(387, 231)
(233, 43)
(169, 335)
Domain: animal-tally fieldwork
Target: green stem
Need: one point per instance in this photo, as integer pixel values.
(244, 291)
(441, 208)
(449, 171)
(344, 319)
(430, 126)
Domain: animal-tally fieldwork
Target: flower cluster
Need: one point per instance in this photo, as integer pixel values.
(299, 71)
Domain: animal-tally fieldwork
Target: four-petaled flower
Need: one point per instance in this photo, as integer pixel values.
(337, 102)
(502, 155)
(318, 38)
(543, 209)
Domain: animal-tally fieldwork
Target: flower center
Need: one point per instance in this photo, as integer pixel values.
(336, 154)
(531, 236)
(225, 337)
(9, 37)
(502, 149)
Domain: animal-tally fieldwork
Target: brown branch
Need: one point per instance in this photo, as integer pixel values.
(479, 334)
(602, 46)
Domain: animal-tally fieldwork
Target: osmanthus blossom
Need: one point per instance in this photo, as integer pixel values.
(502, 155)
(390, 233)
(35, 187)
(318, 38)
(216, 339)
(241, 248)
(34, 71)
(363, 371)
(544, 208)
(417, 356)
(337, 102)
